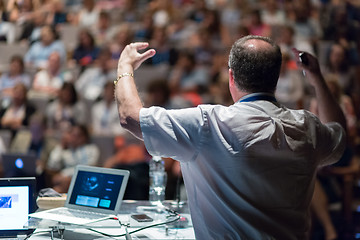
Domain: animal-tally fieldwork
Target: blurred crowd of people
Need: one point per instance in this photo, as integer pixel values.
(61, 91)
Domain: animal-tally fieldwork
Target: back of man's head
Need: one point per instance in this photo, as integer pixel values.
(255, 62)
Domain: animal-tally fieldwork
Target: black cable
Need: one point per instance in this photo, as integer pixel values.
(172, 214)
(136, 230)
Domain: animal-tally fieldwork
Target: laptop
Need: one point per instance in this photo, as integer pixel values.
(19, 165)
(17, 200)
(95, 194)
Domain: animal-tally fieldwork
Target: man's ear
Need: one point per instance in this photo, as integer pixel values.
(232, 86)
(231, 78)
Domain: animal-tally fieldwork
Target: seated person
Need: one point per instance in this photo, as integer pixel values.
(91, 82)
(126, 153)
(15, 75)
(17, 114)
(104, 114)
(65, 111)
(132, 157)
(86, 51)
(75, 148)
(39, 52)
(325, 191)
(48, 81)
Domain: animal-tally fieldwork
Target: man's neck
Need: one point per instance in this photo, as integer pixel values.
(238, 95)
(242, 95)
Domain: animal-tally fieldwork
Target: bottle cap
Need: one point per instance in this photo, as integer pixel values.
(156, 158)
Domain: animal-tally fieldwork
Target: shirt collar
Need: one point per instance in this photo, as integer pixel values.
(258, 96)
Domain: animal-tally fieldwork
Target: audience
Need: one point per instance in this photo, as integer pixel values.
(88, 15)
(102, 30)
(187, 76)
(326, 184)
(15, 75)
(272, 14)
(92, 80)
(39, 52)
(31, 31)
(47, 82)
(65, 111)
(75, 148)
(338, 64)
(204, 28)
(122, 37)
(86, 51)
(290, 87)
(17, 114)
(104, 114)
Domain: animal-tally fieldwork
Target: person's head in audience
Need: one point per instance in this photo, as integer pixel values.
(158, 93)
(54, 63)
(104, 20)
(16, 66)
(68, 94)
(26, 5)
(86, 39)
(242, 31)
(108, 93)
(271, 6)
(337, 60)
(57, 6)
(255, 17)
(48, 35)
(212, 21)
(39, 18)
(104, 59)
(79, 135)
(124, 35)
(287, 35)
(89, 5)
(159, 36)
(302, 11)
(19, 95)
(186, 61)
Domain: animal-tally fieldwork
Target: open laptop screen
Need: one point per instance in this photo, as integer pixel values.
(96, 190)
(16, 202)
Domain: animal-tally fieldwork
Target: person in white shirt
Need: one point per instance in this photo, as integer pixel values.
(92, 80)
(104, 114)
(249, 168)
(75, 148)
(49, 81)
(89, 14)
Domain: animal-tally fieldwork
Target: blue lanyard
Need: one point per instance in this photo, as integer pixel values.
(259, 97)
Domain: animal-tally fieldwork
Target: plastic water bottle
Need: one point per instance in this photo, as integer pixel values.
(158, 178)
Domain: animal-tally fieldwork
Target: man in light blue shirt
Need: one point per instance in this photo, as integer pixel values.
(39, 52)
(248, 168)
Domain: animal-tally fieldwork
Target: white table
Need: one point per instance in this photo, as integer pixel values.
(112, 227)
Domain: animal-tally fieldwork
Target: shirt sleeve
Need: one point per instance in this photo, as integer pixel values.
(55, 159)
(172, 133)
(332, 143)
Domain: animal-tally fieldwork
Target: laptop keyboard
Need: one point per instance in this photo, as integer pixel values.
(79, 213)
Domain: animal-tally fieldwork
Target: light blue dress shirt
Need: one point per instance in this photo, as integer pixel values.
(248, 168)
(38, 53)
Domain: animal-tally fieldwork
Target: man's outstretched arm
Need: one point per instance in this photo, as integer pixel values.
(126, 94)
(329, 109)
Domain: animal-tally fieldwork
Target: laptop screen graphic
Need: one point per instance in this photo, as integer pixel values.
(97, 190)
(14, 207)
